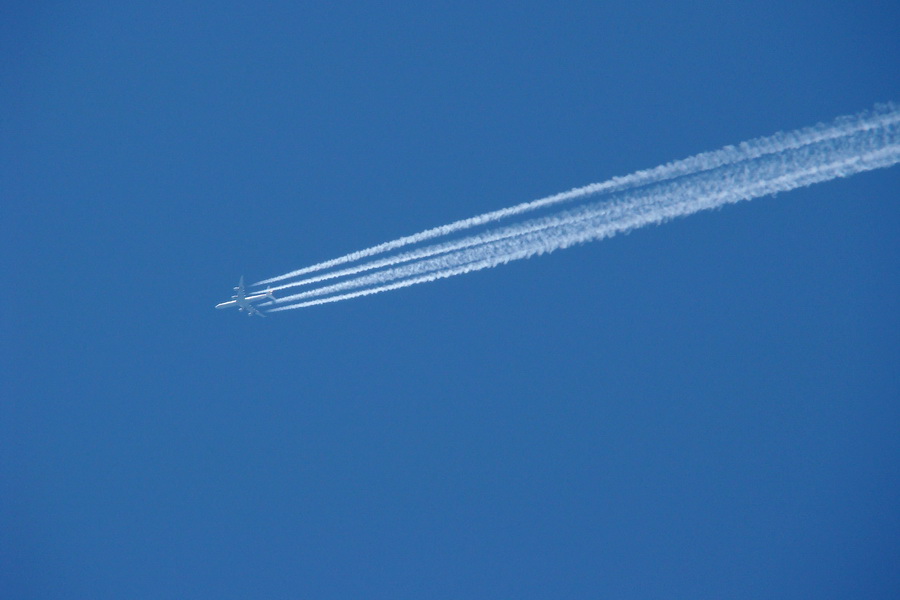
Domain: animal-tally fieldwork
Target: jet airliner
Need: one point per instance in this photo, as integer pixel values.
(245, 302)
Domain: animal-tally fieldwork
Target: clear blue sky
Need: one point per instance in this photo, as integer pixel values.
(706, 409)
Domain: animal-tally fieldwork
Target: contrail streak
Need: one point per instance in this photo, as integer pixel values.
(752, 149)
(849, 146)
(419, 254)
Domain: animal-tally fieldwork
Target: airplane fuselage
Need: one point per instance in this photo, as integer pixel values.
(242, 302)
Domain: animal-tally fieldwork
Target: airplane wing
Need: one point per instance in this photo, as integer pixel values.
(240, 286)
(254, 311)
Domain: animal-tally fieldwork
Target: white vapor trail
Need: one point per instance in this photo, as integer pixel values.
(778, 142)
(763, 167)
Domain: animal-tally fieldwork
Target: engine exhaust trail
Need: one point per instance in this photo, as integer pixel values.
(752, 149)
(849, 146)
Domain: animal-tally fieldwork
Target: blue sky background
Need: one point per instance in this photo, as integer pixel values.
(704, 409)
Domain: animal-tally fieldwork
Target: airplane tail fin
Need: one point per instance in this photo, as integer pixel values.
(269, 293)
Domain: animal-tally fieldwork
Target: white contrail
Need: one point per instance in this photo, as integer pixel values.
(854, 150)
(451, 251)
(590, 229)
(777, 143)
(414, 255)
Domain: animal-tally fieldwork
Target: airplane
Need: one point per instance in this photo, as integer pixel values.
(245, 302)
